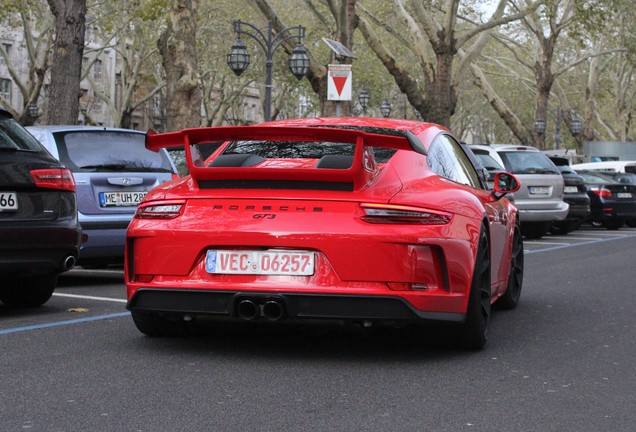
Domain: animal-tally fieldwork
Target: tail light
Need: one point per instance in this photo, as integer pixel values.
(397, 214)
(602, 192)
(160, 209)
(54, 178)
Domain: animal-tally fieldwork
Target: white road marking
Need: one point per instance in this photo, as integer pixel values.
(90, 297)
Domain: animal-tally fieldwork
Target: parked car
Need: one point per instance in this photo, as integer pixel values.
(39, 231)
(612, 203)
(368, 221)
(113, 171)
(608, 166)
(492, 162)
(575, 194)
(540, 198)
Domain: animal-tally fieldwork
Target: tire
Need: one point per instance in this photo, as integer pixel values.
(631, 223)
(535, 230)
(510, 299)
(563, 227)
(473, 333)
(157, 325)
(613, 224)
(29, 292)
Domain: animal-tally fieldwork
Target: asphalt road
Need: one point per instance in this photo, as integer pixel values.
(562, 361)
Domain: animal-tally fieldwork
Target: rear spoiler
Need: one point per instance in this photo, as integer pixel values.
(356, 173)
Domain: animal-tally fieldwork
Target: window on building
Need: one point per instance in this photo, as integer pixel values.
(97, 69)
(5, 89)
(7, 50)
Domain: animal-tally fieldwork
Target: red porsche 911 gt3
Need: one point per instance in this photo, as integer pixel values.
(353, 220)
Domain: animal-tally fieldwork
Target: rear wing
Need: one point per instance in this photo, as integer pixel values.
(357, 174)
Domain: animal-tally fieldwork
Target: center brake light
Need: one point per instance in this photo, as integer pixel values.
(168, 209)
(398, 214)
(54, 178)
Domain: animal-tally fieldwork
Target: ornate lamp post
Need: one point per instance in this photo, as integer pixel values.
(363, 98)
(576, 126)
(385, 108)
(239, 59)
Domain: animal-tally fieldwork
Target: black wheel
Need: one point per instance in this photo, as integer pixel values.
(613, 224)
(510, 299)
(155, 324)
(28, 291)
(563, 227)
(535, 230)
(631, 223)
(473, 333)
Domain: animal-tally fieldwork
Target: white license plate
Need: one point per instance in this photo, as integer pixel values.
(539, 190)
(292, 263)
(120, 199)
(624, 195)
(570, 189)
(8, 201)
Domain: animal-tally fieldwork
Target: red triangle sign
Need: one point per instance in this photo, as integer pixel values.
(340, 82)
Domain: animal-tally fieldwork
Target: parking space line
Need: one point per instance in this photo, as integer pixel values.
(548, 243)
(568, 245)
(90, 297)
(572, 238)
(61, 323)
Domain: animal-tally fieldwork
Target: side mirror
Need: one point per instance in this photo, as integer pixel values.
(505, 183)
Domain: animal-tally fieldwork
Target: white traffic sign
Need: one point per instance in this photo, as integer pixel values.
(339, 82)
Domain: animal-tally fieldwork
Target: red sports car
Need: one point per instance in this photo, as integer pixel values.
(354, 220)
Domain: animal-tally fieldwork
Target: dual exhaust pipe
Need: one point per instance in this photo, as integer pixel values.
(272, 310)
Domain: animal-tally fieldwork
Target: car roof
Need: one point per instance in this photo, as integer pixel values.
(509, 147)
(76, 128)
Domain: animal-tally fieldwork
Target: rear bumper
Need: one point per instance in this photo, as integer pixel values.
(106, 240)
(295, 306)
(543, 215)
(38, 250)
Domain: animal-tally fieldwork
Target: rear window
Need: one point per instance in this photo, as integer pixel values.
(630, 169)
(15, 137)
(289, 149)
(487, 161)
(89, 151)
(528, 162)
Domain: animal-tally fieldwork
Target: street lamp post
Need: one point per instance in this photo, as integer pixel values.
(575, 126)
(239, 59)
(363, 98)
(385, 108)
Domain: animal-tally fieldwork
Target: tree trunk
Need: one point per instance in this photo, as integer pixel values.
(177, 46)
(68, 51)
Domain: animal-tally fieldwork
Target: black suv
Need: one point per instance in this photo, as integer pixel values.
(39, 232)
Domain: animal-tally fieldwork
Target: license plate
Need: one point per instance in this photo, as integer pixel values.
(570, 189)
(120, 199)
(8, 201)
(292, 263)
(538, 190)
(624, 195)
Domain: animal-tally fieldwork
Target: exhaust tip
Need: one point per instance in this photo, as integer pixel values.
(247, 309)
(273, 310)
(69, 262)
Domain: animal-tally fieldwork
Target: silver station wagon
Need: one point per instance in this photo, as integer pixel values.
(113, 171)
(540, 198)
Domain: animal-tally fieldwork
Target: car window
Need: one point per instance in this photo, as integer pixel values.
(528, 162)
(276, 149)
(596, 178)
(109, 151)
(14, 137)
(487, 161)
(447, 159)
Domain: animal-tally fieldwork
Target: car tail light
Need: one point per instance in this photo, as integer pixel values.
(396, 214)
(160, 209)
(602, 192)
(54, 178)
